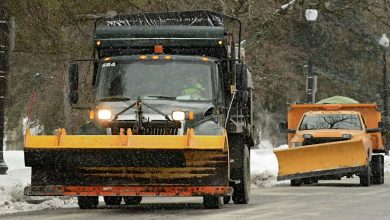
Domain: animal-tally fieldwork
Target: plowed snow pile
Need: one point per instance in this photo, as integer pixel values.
(264, 165)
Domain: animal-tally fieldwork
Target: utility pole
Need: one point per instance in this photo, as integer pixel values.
(4, 69)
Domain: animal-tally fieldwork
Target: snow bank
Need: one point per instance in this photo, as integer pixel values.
(12, 185)
(264, 167)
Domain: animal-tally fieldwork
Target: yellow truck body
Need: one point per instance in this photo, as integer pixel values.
(331, 152)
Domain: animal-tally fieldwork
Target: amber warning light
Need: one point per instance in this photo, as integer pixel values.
(158, 49)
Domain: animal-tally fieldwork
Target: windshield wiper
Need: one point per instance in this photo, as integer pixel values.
(161, 97)
(114, 99)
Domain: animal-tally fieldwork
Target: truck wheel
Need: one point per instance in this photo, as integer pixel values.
(383, 169)
(132, 200)
(112, 200)
(88, 202)
(309, 181)
(377, 167)
(242, 189)
(213, 202)
(226, 199)
(296, 182)
(365, 177)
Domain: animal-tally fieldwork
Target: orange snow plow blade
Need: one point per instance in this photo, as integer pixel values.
(321, 159)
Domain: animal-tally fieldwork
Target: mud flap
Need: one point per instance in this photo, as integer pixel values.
(321, 159)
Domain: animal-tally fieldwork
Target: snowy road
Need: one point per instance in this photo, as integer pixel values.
(326, 200)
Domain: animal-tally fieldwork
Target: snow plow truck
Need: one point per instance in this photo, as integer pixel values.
(172, 115)
(332, 140)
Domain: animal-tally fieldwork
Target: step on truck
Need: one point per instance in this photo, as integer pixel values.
(172, 115)
(331, 141)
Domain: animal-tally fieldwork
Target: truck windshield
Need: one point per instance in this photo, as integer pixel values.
(168, 79)
(331, 121)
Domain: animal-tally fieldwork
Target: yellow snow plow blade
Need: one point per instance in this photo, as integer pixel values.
(122, 141)
(128, 160)
(321, 159)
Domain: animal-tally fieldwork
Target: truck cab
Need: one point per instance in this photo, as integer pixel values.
(186, 89)
(186, 68)
(318, 127)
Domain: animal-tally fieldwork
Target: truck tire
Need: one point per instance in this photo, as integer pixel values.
(365, 177)
(309, 181)
(377, 167)
(112, 200)
(88, 202)
(241, 169)
(383, 169)
(132, 200)
(213, 202)
(296, 182)
(226, 199)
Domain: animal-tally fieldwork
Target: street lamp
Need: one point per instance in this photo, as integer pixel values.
(311, 81)
(384, 42)
(311, 14)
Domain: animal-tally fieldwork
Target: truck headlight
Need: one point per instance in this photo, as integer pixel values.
(178, 115)
(104, 114)
(307, 136)
(296, 144)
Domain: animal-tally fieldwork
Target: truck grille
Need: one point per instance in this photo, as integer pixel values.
(161, 131)
(310, 141)
(150, 128)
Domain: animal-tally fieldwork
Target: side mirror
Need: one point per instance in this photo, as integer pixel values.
(283, 128)
(382, 126)
(247, 82)
(73, 83)
(95, 69)
(244, 77)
